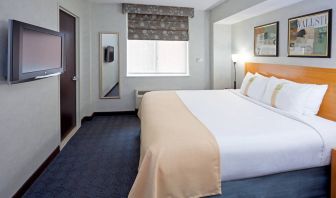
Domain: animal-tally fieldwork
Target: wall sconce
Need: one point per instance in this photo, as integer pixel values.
(235, 59)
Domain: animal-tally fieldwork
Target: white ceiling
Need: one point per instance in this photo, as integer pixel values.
(197, 4)
(257, 10)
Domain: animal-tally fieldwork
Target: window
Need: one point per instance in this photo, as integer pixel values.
(157, 58)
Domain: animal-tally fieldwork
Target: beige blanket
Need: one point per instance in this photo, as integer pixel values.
(179, 156)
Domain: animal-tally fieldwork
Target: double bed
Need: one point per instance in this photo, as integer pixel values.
(204, 143)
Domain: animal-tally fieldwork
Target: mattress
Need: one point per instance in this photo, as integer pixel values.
(255, 139)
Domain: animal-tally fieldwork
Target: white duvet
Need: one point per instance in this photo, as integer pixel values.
(255, 139)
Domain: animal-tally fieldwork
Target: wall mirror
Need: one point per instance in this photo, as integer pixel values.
(109, 66)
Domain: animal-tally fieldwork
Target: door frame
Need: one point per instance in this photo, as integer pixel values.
(77, 66)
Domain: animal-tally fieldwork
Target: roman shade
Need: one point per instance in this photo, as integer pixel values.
(150, 22)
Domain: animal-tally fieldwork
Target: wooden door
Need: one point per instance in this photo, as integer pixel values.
(68, 78)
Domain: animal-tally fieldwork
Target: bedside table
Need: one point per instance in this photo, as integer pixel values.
(333, 174)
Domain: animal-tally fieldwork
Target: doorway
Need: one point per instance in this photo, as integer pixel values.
(68, 79)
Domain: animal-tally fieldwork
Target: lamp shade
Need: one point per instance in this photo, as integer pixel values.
(235, 58)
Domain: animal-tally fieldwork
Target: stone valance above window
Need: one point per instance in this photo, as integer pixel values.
(149, 22)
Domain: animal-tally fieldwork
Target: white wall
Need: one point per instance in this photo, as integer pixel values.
(29, 112)
(109, 18)
(242, 35)
(231, 7)
(110, 71)
(220, 48)
(222, 69)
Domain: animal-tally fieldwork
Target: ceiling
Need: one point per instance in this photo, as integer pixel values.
(257, 10)
(197, 4)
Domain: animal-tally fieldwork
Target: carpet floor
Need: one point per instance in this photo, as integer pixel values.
(101, 160)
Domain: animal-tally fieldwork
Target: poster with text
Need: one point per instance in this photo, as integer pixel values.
(310, 35)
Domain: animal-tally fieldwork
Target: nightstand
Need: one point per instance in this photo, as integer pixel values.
(333, 174)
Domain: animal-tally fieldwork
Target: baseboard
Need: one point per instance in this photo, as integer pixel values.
(114, 113)
(36, 174)
(68, 137)
(89, 118)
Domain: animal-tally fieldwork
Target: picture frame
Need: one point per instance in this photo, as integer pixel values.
(310, 35)
(266, 40)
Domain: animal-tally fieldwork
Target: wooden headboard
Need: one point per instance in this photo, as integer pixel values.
(301, 74)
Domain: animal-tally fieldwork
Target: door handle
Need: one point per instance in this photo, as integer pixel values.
(74, 78)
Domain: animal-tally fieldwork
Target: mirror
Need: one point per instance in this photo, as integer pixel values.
(109, 66)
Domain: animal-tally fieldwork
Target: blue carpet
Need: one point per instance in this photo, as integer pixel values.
(114, 92)
(101, 160)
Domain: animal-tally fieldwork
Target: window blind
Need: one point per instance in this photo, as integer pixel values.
(149, 22)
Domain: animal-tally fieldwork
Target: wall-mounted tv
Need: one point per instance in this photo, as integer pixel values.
(33, 52)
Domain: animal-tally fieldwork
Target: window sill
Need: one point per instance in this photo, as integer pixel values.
(157, 75)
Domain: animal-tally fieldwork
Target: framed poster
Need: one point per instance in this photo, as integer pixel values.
(310, 35)
(266, 40)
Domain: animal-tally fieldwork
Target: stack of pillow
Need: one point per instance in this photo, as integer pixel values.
(304, 99)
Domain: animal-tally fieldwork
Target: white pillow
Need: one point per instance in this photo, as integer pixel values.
(287, 95)
(246, 80)
(258, 87)
(294, 97)
(254, 86)
(272, 83)
(315, 99)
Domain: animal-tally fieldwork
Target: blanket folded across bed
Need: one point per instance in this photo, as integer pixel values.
(179, 155)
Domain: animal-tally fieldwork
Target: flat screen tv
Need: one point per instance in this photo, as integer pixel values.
(33, 52)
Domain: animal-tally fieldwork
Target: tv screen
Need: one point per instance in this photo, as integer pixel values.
(40, 51)
(34, 52)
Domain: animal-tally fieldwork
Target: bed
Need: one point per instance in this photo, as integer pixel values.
(194, 143)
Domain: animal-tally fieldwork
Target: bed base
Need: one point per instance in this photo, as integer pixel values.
(302, 183)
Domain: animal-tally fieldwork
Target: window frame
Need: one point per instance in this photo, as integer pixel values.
(156, 74)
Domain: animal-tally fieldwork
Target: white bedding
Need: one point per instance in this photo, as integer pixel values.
(255, 139)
